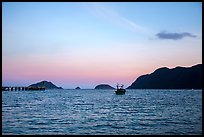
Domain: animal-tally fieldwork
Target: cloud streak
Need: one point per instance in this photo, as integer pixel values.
(113, 16)
(174, 36)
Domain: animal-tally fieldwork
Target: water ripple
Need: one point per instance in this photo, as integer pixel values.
(101, 112)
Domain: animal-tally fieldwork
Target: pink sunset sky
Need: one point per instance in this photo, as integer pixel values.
(86, 44)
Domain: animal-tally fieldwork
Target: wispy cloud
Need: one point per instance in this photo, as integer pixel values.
(174, 36)
(108, 13)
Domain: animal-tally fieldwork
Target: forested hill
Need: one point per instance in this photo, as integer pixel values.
(176, 78)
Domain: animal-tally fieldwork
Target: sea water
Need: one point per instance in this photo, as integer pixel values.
(102, 112)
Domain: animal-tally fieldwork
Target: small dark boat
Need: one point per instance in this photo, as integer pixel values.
(120, 90)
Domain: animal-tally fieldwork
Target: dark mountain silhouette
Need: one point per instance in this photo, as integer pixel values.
(77, 88)
(104, 86)
(46, 84)
(176, 78)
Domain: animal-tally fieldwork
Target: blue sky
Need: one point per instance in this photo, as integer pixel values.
(85, 44)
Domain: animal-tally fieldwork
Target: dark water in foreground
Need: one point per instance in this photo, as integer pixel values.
(102, 112)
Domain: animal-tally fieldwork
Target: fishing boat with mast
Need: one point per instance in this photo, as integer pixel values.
(120, 90)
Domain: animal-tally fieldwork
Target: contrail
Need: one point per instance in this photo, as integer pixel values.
(113, 16)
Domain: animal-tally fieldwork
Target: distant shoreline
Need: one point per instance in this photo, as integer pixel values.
(161, 78)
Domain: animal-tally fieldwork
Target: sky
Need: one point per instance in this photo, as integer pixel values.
(89, 43)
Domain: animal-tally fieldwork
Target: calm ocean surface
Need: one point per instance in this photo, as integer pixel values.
(102, 112)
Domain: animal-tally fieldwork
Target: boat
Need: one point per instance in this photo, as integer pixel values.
(120, 90)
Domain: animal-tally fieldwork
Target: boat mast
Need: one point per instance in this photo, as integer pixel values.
(117, 86)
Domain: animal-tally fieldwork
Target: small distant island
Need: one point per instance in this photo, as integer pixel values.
(46, 84)
(161, 78)
(176, 78)
(104, 86)
(77, 88)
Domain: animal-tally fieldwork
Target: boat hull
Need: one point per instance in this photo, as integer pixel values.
(120, 91)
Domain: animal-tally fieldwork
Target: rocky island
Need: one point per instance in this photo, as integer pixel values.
(104, 86)
(46, 84)
(77, 88)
